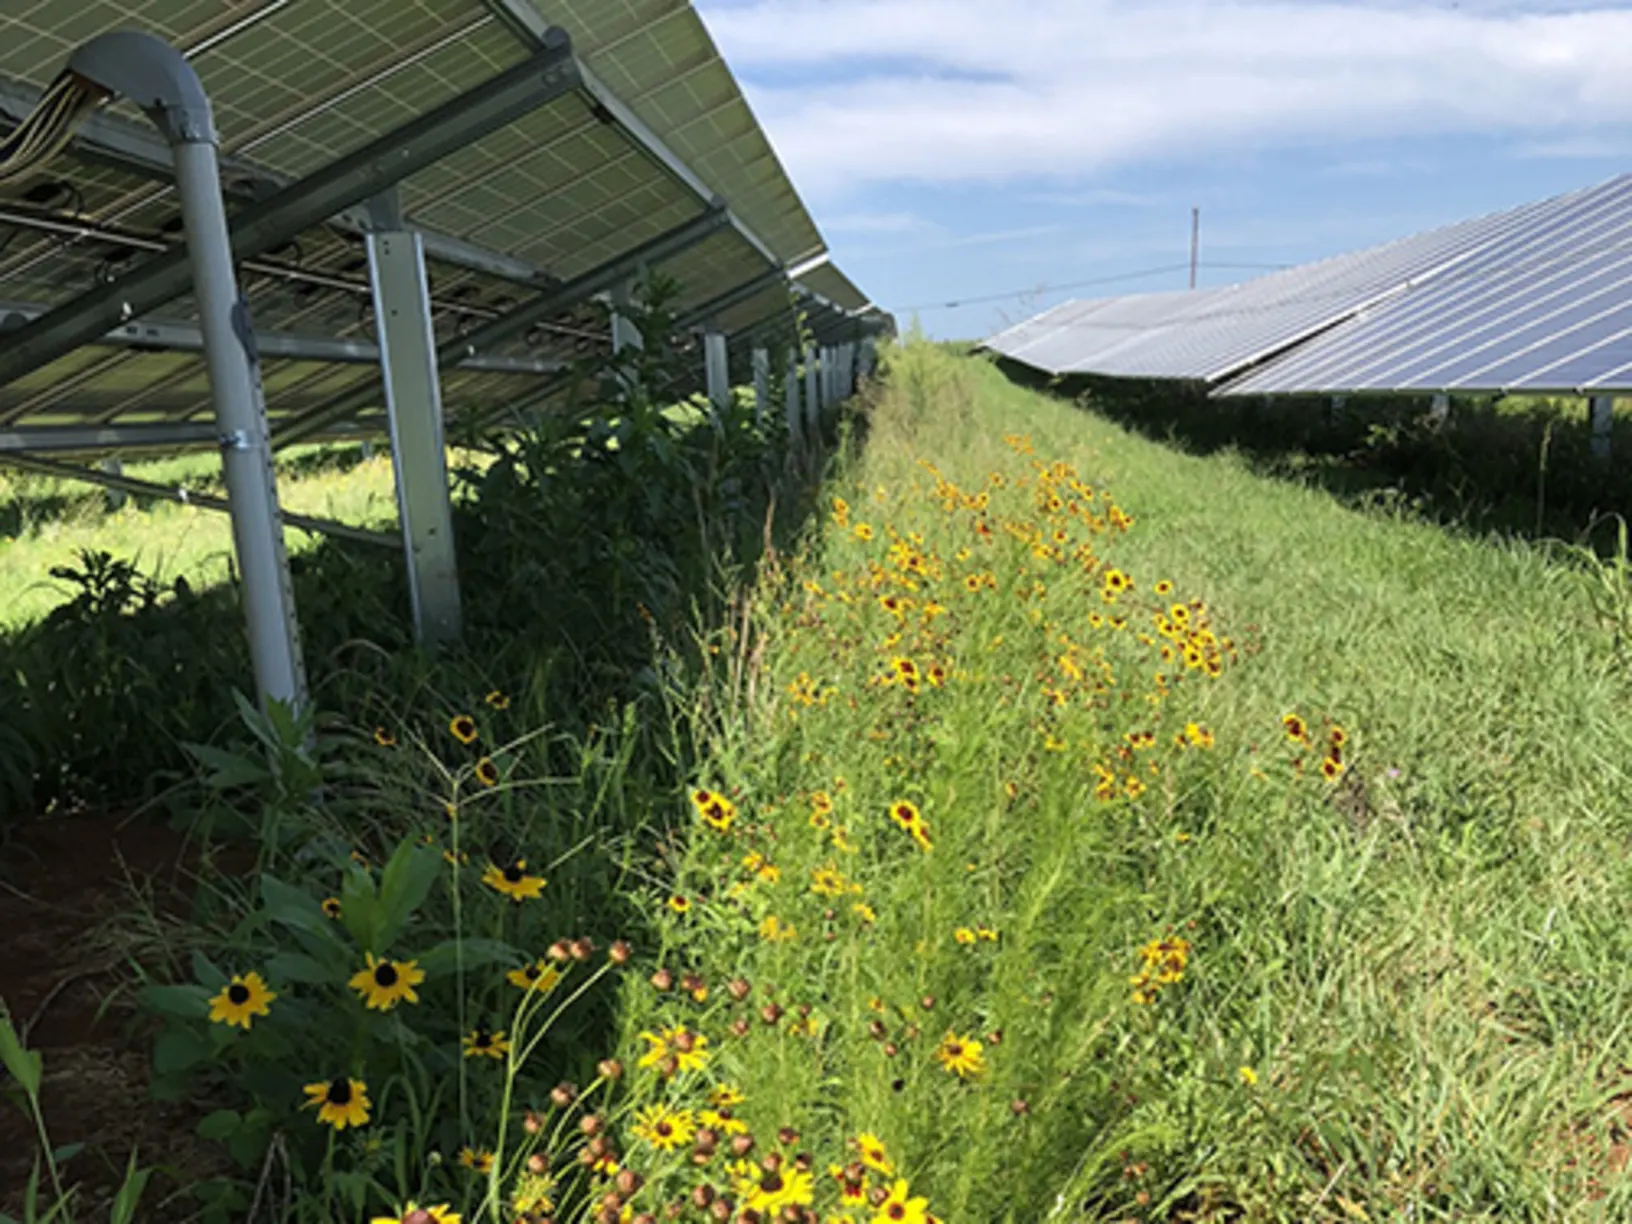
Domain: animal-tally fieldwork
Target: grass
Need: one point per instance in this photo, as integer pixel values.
(1403, 994)
(959, 935)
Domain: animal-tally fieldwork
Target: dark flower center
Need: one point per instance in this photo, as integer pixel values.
(954, 1050)
(531, 972)
(339, 1092)
(238, 993)
(772, 1183)
(897, 1211)
(513, 873)
(483, 1039)
(664, 1130)
(385, 975)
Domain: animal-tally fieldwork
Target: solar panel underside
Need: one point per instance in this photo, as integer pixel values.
(302, 84)
(1544, 308)
(827, 280)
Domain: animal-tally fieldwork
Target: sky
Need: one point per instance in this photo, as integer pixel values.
(1007, 155)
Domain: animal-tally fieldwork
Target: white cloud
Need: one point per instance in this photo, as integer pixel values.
(877, 223)
(940, 91)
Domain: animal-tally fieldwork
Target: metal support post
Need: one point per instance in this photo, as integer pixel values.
(116, 497)
(1439, 410)
(367, 449)
(813, 392)
(762, 385)
(1601, 411)
(717, 370)
(1337, 408)
(624, 332)
(413, 401)
(791, 385)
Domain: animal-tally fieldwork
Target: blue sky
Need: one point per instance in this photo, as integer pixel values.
(960, 149)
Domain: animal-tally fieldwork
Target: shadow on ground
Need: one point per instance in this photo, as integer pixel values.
(1519, 467)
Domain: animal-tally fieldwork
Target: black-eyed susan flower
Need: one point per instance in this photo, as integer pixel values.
(513, 881)
(540, 975)
(241, 999)
(331, 907)
(340, 1102)
(463, 728)
(688, 1049)
(827, 882)
(412, 1213)
(865, 912)
(483, 1042)
(679, 904)
(986, 933)
(486, 772)
(722, 1120)
(479, 1160)
(724, 1096)
(664, 1128)
(873, 1153)
(899, 1207)
(964, 935)
(384, 738)
(385, 983)
(497, 700)
(776, 930)
(905, 813)
(1331, 768)
(531, 1199)
(1246, 1075)
(1296, 729)
(714, 809)
(961, 1055)
(769, 1192)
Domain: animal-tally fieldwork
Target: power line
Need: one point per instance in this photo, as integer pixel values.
(1038, 290)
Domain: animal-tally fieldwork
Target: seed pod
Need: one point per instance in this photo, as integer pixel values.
(927, 1002)
(613, 1200)
(620, 952)
(708, 1138)
(532, 1123)
(702, 1196)
(564, 1094)
(741, 1145)
(669, 1066)
(1019, 1107)
(739, 988)
(891, 1049)
(739, 1027)
(690, 981)
(770, 1013)
(627, 1182)
(538, 1163)
(803, 1161)
(720, 1211)
(772, 1162)
(663, 979)
(599, 1146)
(609, 1068)
(582, 949)
(995, 1037)
(787, 1136)
(701, 1158)
(685, 1042)
(589, 1124)
(804, 1011)
(877, 1029)
(558, 951)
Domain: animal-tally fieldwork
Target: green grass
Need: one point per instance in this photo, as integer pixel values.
(49, 520)
(1424, 965)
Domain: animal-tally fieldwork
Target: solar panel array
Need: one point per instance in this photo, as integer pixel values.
(657, 128)
(1534, 298)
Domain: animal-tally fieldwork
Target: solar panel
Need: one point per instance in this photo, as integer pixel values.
(1544, 307)
(658, 126)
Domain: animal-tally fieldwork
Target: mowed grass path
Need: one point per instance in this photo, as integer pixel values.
(1407, 991)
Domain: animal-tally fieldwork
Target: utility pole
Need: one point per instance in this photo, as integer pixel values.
(1195, 242)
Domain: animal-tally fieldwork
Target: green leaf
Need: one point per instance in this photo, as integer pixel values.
(227, 768)
(360, 909)
(67, 1152)
(293, 967)
(123, 1210)
(26, 1066)
(219, 1125)
(443, 958)
(207, 973)
(183, 1002)
(289, 905)
(178, 1050)
(404, 885)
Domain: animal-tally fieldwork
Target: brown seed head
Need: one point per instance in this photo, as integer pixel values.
(563, 1094)
(645, 1217)
(538, 1162)
(669, 1066)
(1019, 1107)
(772, 1162)
(708, 1138)
(558, 951)
(720, 1211)
(803, 1161)
(532, 1123)
(599, 1146)
(609, 1069)
(741, 1145)
(620, 952)
(995, 1037)
(589, 1124)
(690, 981)
(417, 1216)
(582, 949)
(804, 1011)
(891, 1049)
(702, 1196)
(739, 988)
(612, 1199)
(770, 1013)
(663, 979)
(685, 1042)
(627, 1182)
(787, 1136)
(739, 1027)
(877, 1195)
(877, 1029)
(927, 1002)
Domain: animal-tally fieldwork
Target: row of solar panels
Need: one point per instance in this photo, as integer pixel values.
(652, 135)
(1534, 299)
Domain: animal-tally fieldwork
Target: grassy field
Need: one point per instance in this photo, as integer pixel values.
(1075, 829)
(1399, 993)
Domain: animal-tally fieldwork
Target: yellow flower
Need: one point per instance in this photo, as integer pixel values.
(479, 1159)
(689, 1050)
(384, 738)
(964, 935)
(498, 700)
(540, 975)
(487, 773)
(463, 728)
(341, 1102)
(865, 912)
(664, 1128)
(722, 1096)
(513, 881)
(679, 904)
(244, 997)
(385, 983)
(873, 1154)
(716, 811)
(1248, 1076)
(898, 1208)
(960, 1055)
(774, 930)
(412, 1211)
(827, 882)
(722, 1120)
(331, 906)
(986, 933)
(481, 1042)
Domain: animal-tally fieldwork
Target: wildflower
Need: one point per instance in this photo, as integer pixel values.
(679, 904)
(722, 1120)
(487, 773)
(384, 738)
(841, 840)
(664, 1128)
(463, 728)
(863, 532)
(540, 975)
(341, 1102)
(964, 935)
(827, 882)
(873, 1154)
(920, 834)
(478, 1159)
(1247, 1075)
(723, 1096)
(774, 930)
(689, 1050)
(715, 810)
(1331, 768)
(769, 1191)
(865, 912)
(513, 881)
(497, 700)
(821, 803)
(411, 1211)
(986, 933)
(905, 813)
(1296, 729)
(531, 1198)
(331, 907)
(385, 983)
(1337, 737)
(1164, 587)
(480, 1042)
(898, 1208)
(245, 997)
(1198, 735)
(960, 1055)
